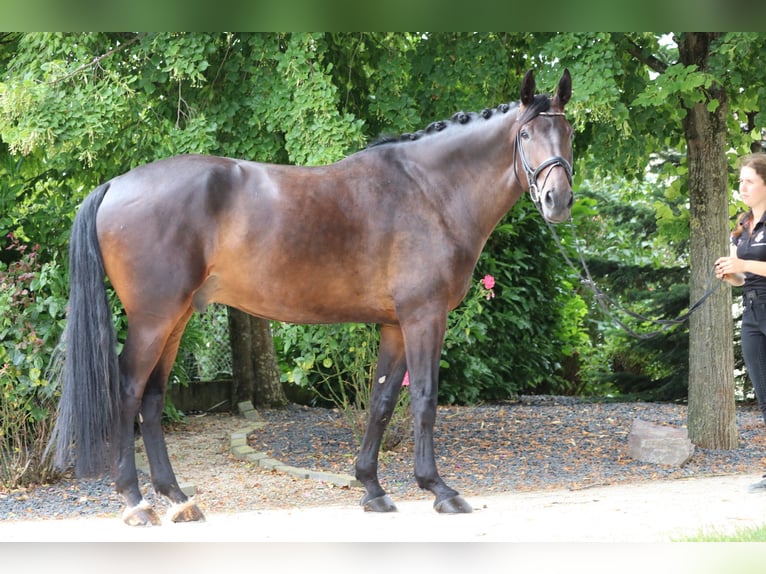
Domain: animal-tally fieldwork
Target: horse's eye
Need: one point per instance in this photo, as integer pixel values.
(524, 134)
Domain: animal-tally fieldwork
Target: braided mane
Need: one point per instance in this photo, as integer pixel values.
(540, 104)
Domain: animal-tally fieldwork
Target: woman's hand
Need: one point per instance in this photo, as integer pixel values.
(729, 269)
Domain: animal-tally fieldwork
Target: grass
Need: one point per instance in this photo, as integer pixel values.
(751, 534)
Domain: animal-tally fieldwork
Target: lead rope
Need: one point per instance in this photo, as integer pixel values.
(604, 301)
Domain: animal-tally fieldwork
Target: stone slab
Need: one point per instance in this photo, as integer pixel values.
(658, 444)
(342, 480)
(241, 451)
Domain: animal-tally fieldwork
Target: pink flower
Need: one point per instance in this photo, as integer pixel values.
(406, 381)
(488, 281)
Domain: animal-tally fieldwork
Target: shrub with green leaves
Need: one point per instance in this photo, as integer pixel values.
(32, 311)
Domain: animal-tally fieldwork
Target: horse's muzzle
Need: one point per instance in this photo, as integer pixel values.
(557, 204)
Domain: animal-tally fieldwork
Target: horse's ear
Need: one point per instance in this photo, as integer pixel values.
(528, 88)
(564, 91)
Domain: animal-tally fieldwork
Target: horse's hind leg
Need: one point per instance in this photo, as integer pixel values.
(140, 354)
(140, 360)
(163, 478)
(387, 384)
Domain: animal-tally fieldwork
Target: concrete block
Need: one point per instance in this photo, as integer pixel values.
(188, 488)
(239, 435)
(256, 457)
(241, 451)
(240, 441)
(292, 470)
(245, 407)
(251, 415)
(269, 463)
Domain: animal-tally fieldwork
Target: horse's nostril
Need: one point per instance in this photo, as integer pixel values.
(549, 199)
(570, 203)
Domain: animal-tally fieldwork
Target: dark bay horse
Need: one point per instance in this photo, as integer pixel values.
(389, 235)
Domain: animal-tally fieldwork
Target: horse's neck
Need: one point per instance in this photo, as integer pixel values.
(476, 165)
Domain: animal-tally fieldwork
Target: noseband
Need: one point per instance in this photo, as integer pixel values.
(551, 162)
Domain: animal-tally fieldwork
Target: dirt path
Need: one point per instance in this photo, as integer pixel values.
(658, 511)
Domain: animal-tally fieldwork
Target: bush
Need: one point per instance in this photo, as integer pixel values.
(32, 310)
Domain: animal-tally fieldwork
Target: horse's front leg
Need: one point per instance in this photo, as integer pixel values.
(423, 342)
(387, 385)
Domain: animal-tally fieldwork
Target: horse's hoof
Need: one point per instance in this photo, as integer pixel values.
(454, 505)
(379, 504)
(186, 512)
(141, 515)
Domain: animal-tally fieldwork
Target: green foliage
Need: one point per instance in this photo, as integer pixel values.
(32, 306)
(309, 352)
(678, 79)
(744, 534)
(315, 132)
(641, 271)
(337, 364)
(304, 99)
(33, 206)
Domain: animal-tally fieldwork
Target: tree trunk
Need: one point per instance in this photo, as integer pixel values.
(254, 363)
(267, 388)
(711, 414)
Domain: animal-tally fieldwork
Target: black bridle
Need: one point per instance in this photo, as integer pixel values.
(551, 162)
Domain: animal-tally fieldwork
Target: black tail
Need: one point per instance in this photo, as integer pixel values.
(90, 374)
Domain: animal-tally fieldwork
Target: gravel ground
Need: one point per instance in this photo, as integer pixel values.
(537, 443)
(199, 450)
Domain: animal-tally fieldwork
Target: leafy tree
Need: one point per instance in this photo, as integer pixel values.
(690, 94)
(165, 94)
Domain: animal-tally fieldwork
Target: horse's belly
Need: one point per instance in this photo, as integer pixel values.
(295, 300)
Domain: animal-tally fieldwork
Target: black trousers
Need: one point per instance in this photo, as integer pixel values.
(754, 343)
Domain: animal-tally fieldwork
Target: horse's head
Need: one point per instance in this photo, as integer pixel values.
(544, 147)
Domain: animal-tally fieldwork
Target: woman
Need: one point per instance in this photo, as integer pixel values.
(747, 266)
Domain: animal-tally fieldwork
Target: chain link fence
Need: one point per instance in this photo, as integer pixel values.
(205, 352)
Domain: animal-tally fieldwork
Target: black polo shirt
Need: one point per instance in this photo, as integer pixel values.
(753, 247)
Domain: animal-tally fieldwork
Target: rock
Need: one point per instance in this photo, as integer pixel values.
(659, 444)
